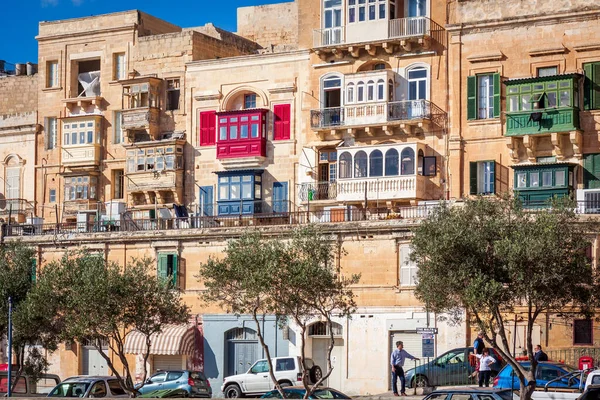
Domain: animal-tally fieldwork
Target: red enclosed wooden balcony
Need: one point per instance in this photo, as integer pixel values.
(242, 135)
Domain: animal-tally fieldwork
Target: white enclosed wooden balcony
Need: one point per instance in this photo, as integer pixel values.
(383, 188)
(81, 155)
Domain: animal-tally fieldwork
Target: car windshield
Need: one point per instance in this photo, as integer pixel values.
(197, 376)
(506, 394)
(70, 389)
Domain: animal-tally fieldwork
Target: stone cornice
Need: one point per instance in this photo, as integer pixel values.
(492, 25)
(247, 60)
(131, 27)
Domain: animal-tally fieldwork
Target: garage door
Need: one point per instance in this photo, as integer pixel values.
(93, 363)
(167, 363)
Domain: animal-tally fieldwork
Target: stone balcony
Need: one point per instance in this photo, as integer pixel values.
(384, 188)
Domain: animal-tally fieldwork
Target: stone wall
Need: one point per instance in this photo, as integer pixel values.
(18, 94)
(258, 24)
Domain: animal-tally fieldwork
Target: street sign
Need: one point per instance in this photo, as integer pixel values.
(428, 330)
(428, 345)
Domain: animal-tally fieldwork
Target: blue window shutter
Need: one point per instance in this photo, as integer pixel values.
(206, 200)
(280, 197)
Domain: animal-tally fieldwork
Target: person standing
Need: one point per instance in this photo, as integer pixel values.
(539, 355)
(397, 363)
(485, 367)
(478, 346)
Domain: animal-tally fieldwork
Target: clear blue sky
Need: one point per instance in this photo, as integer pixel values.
(19, 18)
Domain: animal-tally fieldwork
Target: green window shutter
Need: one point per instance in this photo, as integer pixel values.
(493, 177)
(175, 270)
(471, 97)
(33, 270)
(591, 171)
(595, 86)
(497, 92)
(473, 177)
(587, 86)
(161, 271)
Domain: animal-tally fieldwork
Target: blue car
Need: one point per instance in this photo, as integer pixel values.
(194, 383)
(298, 392)
(545, 372)
(449, 369)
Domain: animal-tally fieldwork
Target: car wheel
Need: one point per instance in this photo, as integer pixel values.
(315, 373)
(232, 392)
(420, 381)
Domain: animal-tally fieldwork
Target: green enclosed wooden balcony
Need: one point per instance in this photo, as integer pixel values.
(542, 105)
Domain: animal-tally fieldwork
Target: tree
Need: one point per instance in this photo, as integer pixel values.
(102, 302)
(296, 277)
(493, 258)
(31, 314)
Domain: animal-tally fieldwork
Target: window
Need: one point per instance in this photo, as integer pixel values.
(370, 91)
(360, 164)
(13, 179)
(51, 133)
(591, 171)
(172, 94)
(174, 375)
(483, 96)
(350, 93)
(380, 90)
(52, 195)
(117, 129)
(118, 182)
(260, 367)
(541, 94)
(155, 159)
(119, 66)
(408, 268)
(80, 187)
(376, 163)
(208, 121)
(238, 193)
(98, 390)
(591, 97)
(168, 267)
(391, 162)
(115, 388)
(281, 116)
(160, 377)
(345, 165)
(407, 161)
(482, 177)
(285, 364)
(429, 166)
(417, 83)
(374, 10)
(582, 331)
(547, 71)
(52, 74)
(249, 101)
(81, 132)
(360, 89)
(140, 95)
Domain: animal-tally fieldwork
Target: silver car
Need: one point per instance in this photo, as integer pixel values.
(89, 386)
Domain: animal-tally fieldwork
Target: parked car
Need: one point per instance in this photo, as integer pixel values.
(451, 368)
(474, 394)
(546, 371)
(257, 380)
(89, 386)
(298, 392)
(593, 378)
(27, 387)
(194, 383)
(592, 392)
(164, 394)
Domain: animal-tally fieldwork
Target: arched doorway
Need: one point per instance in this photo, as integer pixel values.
(318, 333)
(241, 350)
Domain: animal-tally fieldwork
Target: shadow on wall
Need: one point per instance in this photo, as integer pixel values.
(211, 370)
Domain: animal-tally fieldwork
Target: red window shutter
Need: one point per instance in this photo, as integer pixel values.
(281, 130)
(208, 120)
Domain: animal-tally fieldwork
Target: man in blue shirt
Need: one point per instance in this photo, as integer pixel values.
(397, 362)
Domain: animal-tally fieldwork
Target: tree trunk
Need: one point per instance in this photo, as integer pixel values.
(526, 391)
(259, 333)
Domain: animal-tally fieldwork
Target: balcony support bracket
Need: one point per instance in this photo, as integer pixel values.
(388, 47)
(388, 130)
(556, 139)
(576, 138)
(322, 55)
(406, 45)
(371, 49)
(406, 129)
(530, 144)
(425, 42)
(513, 146)
(354, 51)
(338, 53)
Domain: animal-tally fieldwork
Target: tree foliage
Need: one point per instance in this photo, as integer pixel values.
(101, 301)
(295, 277)
(493, 258)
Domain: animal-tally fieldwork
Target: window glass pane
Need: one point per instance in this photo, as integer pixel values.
(513, 103)
(170, 162)
(391, 162)
(565, 98)
(382, 11)
(551, 99)
(417, 73)
(223, 133)
(360, 164)
(235, 191)
(521, 180)
(547, 178)
(90, 137)
(513, 89)
(247, 190)
(257, 191)
(232, 132)
(352, 14)
(223, 192)
(534, 179)
(361, 93)
(371, 12)
(244, 132)
(254, 130)
(525, 104)
(560, 178)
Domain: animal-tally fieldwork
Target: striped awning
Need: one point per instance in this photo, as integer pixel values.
(174, 339)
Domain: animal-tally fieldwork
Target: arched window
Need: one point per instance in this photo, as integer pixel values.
(420, 162)
(12, 179)
(407, 161)
(376, 163)
(322, 329)
(391, 162)
(379, 66)
(380, 90)
(417, 83)
(360, 92)
(370, 91)
(331, 87)
(345, 165)
(241, 334)
(360, 165)
(350, 93)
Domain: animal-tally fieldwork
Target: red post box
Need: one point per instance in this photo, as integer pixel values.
(586, 362)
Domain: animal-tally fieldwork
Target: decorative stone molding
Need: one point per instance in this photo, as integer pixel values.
(547, 52)
(576, 138)
(530, 144)
(208, 95)
(485, 57)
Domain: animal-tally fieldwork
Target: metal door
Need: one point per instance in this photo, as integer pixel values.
(280, 197)
(412, 344)
(241, 356)
(92, 362)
